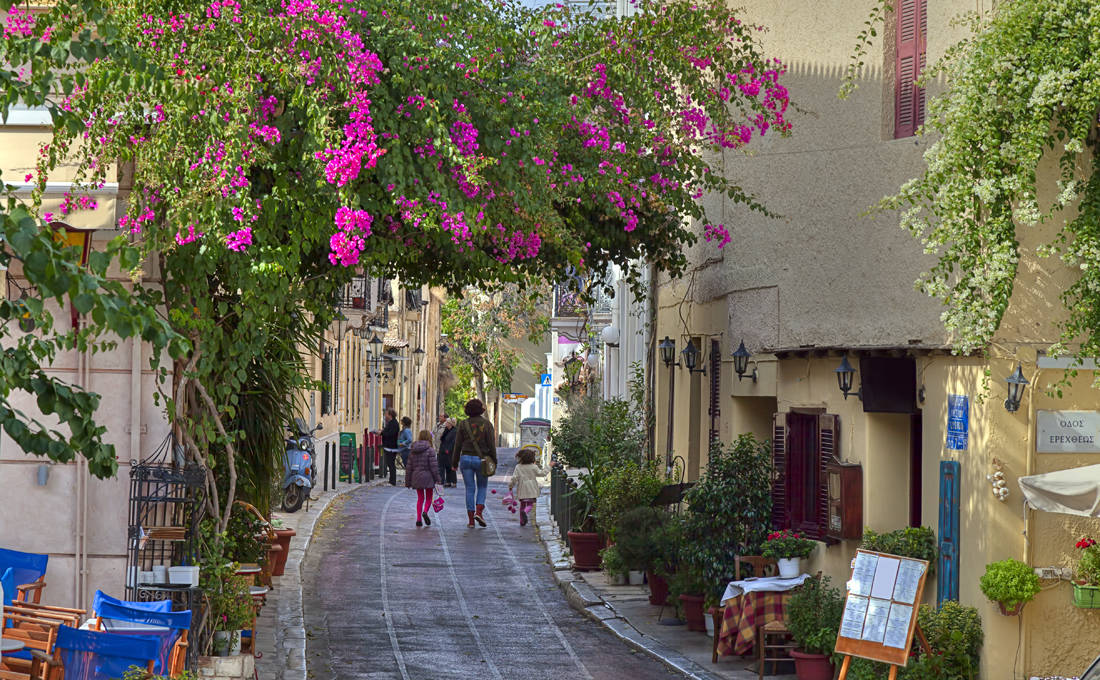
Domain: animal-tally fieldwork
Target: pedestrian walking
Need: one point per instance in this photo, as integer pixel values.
(437, 431)
(475, 453)
(422, 474)
(525, 481)
(446, 449)
(390, 430)
(405, 440)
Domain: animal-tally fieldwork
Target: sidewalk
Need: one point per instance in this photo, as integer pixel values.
(625, 610)
(280, 627)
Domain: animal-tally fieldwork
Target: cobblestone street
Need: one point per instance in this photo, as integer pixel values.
(384, 599)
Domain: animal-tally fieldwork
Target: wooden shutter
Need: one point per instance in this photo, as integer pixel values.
(715, 410)
(780, 515)
(911, 40)
(326, 378)
(947, 581)
(828, 437)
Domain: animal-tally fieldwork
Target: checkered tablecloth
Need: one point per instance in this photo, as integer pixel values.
(742, 615)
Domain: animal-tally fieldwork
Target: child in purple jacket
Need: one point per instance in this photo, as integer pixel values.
(422, 474)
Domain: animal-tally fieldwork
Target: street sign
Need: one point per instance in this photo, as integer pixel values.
(514, 398)
(958, 421)
(544, 380)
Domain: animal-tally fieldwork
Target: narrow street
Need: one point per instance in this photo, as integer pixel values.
(384, 599)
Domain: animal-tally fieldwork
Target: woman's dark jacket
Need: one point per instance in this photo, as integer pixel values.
(471, 430)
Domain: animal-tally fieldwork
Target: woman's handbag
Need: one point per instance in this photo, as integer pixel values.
(488, 465)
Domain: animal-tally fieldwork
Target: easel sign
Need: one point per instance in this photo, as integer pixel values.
(880, 613)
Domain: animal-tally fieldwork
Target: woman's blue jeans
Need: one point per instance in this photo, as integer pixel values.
(476, 483)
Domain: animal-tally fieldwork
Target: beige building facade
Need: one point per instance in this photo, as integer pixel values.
(824, 283)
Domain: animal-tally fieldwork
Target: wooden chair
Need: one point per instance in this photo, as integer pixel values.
(37, 632)
(761, 567)
(774, 643)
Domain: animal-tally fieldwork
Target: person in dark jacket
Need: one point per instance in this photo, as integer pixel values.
(475, 440)
(422, 474)
(390, 431)
(446, 449)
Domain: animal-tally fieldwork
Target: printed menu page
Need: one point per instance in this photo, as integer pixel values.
(886, 573)
(855, 610)
(897, 625)
(874, 629)
(863, 574)
(909, 573)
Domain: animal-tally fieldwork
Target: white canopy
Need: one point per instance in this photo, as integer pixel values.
(1074, 492)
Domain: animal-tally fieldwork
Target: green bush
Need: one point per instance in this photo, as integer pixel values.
(813, 615)
(626, 487)
(954, 633)
(612, 561)
(916, 542)
(647, 539)
(729, 510)
(1009, 582)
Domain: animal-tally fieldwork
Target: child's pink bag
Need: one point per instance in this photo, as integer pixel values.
(437, 504)
(509, 501)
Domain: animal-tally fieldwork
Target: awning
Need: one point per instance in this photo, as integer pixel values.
(1074, 492)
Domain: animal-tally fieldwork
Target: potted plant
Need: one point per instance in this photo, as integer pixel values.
(788, 548)
(647, 539)
(690, 590)
(613, 564)
(1086, 587)
(814, 611)
(1011, 584)
(231, 612)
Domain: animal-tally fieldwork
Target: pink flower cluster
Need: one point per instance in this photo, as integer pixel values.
(716, 232)
(239, 240)
(352, 228)
(20, 23)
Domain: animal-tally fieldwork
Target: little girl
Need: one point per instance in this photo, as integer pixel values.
(525, 481)
(422, 474)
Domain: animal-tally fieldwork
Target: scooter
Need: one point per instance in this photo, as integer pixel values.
(299, 471)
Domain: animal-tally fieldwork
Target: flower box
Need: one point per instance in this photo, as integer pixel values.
(1086, 597)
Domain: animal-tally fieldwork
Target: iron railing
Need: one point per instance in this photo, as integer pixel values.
(561, 499)
(356, 294)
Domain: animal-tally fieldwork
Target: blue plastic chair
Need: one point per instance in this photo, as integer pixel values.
(155, 606)
(166, 627)
(28, 573)
(7, 582)
(92, 655)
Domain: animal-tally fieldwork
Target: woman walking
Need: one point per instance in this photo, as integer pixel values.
(446, 449)
(475, 443)
(405, 440)
(422, 474)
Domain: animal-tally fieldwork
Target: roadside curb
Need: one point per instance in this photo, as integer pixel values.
(588, 602)
(287, 659)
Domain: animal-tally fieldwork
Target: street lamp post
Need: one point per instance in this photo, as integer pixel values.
(668, 355)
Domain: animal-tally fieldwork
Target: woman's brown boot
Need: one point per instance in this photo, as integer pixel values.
(477, 515)
(470, 514)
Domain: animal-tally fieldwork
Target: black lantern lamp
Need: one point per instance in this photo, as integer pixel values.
(1016, 384)
(443, 348)
(376, 345)
(845, 374)
(668, 351)
(418, 356)
(691, 358)
(741, 362)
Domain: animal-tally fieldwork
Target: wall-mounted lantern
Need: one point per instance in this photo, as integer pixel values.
(845, 376)
(741, 359)
(1016, 384)
(668, 351)
(691, 358)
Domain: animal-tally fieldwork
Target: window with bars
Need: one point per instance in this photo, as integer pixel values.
(911, 35)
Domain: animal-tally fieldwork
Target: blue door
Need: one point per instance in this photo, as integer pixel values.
(948, 581)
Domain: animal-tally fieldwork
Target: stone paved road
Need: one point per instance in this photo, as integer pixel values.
(387, 601)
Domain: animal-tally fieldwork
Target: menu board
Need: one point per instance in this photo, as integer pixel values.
(884, 595)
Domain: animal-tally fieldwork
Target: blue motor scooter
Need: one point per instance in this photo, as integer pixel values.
(299, 471)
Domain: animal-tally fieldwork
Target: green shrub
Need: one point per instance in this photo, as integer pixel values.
(1009, 582)
(916, 542)
(647, 539)
(729, 509)
(955, 635)
(626, 487)
(612, 561)
(813, 615)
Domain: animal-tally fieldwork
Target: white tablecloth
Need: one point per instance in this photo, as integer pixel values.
(772, 584)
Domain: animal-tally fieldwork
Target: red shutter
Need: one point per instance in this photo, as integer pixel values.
(780, 515)
(828, 437)
(912, 28)
(715, 409)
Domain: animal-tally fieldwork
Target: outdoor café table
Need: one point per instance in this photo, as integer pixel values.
(9, 645)
(751, 603)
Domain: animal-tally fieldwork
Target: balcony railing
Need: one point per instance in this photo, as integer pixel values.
(356, 295)
(569, 302)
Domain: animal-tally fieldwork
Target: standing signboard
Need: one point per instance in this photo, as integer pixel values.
(880, 612)
(347, 456)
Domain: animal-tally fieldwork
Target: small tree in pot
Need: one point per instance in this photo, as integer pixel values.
(648, 539)
(814, 611)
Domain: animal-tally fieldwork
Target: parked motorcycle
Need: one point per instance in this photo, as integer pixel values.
(299, 470)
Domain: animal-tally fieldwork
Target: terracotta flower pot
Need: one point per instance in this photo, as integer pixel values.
(1013, 611)
(658, 589)
(282, 538)
(586, 549)
(693, 612)
(812, 666)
